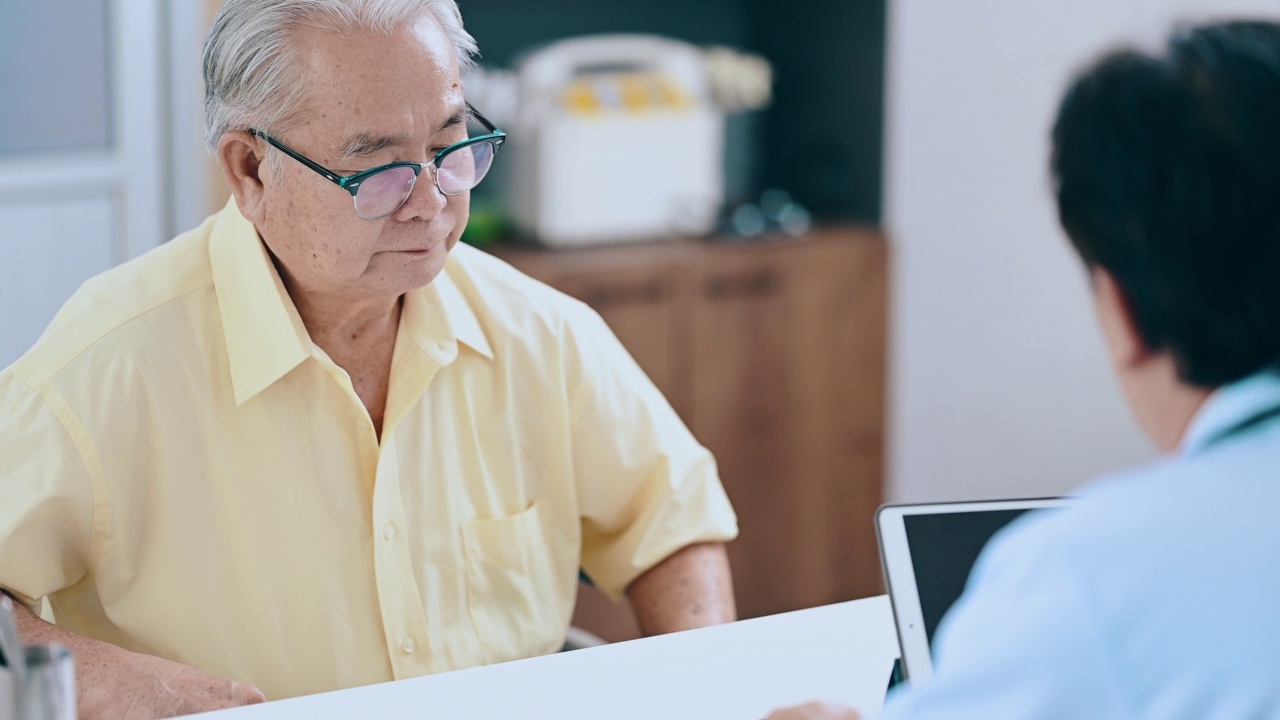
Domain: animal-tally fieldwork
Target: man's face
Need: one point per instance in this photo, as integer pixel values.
(368, 101)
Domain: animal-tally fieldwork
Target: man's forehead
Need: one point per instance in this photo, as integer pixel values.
(368, 92)
(435, 41)
(362, 67)
(427, 32)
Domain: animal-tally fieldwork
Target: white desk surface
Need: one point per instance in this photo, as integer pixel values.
(740, 671)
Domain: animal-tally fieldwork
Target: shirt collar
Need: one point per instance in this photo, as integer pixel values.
(1231, 407)
(434, 322)
(264, 332)
(438, 317)
(265, 335)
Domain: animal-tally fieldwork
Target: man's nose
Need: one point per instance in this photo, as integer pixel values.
(425, 201)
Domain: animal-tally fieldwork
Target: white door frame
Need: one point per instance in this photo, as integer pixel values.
(130, 172)
(189, 163)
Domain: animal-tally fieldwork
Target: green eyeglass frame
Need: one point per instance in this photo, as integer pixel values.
(351, 183)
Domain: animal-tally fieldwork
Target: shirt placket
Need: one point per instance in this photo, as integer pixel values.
(404, 618)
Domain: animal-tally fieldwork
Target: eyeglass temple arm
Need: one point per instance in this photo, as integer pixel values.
(488, 124)
(328, 174)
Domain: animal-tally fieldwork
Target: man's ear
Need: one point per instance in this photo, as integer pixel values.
(241, 155)
(1119, 325)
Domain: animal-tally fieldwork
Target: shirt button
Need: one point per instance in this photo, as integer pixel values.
(407, 645)
(362, 425)
(389, 533)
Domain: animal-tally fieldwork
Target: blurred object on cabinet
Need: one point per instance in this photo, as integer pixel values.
(618, 137)
(821, 136)
(619, 140)
(773, 352)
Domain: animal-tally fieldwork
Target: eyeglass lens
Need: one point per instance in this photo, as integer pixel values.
(384, 192)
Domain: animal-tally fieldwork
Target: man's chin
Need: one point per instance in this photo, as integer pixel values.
(411, 270)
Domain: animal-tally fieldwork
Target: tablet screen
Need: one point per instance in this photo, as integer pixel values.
(943, 550)
(928, 552)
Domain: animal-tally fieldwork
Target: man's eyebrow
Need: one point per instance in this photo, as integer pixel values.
(365, 144)
(461, 117)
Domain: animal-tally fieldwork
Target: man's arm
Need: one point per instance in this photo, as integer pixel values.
(112, 682)
(690, 589)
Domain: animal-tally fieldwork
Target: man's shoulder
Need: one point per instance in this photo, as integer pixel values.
(1178, 495)
(1103, 514)
(1148, 526)
(114, 301)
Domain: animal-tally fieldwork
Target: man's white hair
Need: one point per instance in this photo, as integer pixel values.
(251, 74)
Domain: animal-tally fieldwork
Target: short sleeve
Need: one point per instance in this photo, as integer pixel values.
(1023, 641)
(646, 487)
(46, 518)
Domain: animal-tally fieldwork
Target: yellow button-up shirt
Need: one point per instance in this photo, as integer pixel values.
(185, 473)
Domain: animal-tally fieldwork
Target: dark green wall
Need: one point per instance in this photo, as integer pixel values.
(824, 133)
(822, 138)
(505, 27)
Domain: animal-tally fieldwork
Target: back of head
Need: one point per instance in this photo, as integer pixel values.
(1167, 173)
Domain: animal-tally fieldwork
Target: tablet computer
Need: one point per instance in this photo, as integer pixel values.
(927, 552)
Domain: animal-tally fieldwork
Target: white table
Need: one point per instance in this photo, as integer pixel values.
(741, 671)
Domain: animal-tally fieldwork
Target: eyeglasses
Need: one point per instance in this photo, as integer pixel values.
(380, 191)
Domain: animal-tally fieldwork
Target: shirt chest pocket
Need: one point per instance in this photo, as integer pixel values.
(511, 586)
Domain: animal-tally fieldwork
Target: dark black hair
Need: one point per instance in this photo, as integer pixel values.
(1167, 173)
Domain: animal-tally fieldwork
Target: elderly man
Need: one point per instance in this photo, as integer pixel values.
(310, 445)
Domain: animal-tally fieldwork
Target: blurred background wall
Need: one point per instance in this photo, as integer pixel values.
(999, 383)
(83, 147)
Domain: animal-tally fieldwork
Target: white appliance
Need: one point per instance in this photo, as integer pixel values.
(617, 138)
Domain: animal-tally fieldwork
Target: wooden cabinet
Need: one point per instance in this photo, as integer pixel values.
(774, 354)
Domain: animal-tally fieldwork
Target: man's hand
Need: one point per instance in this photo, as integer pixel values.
(112, 682)
(815, 711)
(143, 687)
